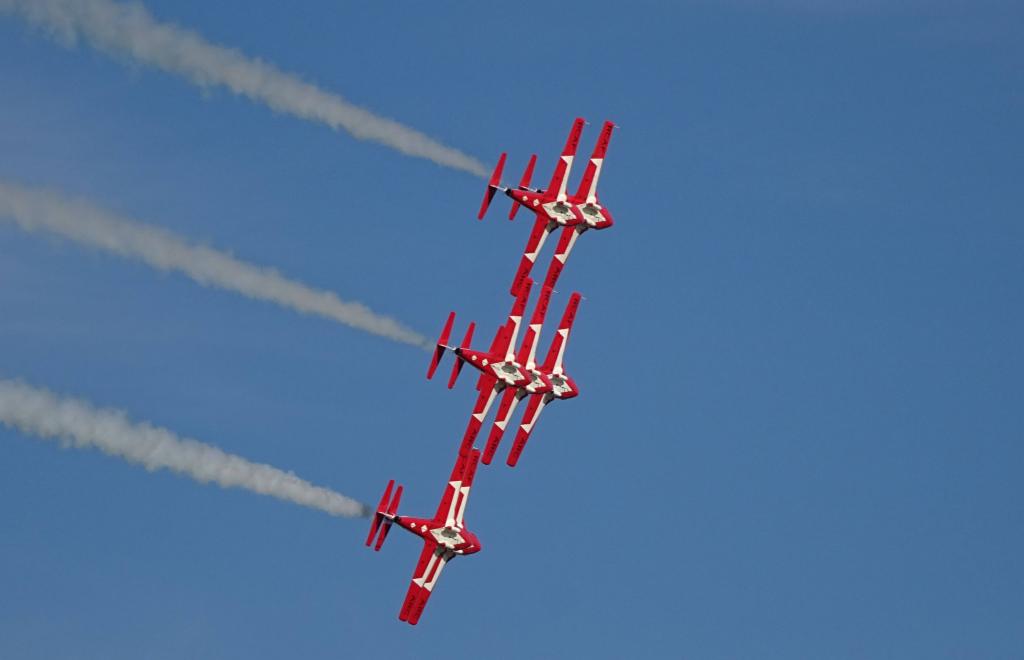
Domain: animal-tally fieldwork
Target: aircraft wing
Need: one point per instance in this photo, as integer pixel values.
(505, 409)
(489, 389)
(553, 362)
(432, 561)
(588, 184)
(434, 557)
(527, 354)
(561, 175)
(453, 503)
(530, 417)
(541, 228)
(565, 244)
(504, 345)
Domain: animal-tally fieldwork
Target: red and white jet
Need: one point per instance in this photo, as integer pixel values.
(575, 214)
(498, 366)
(526, 359)
(444, 536)
(558, 385)
(595, 216)
(551, 206)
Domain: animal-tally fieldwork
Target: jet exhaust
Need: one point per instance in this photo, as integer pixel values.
(131, 31)
(76, 423)
(37, 209)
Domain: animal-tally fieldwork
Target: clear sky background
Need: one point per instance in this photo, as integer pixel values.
(801, 432)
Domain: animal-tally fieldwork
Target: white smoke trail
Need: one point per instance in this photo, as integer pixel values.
(34, 209)
(131, 30)
(77, 424)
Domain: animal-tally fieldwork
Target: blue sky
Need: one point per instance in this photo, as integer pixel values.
(800, 433)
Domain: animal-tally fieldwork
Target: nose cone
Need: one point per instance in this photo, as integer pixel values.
(606, 220)
(573, 389)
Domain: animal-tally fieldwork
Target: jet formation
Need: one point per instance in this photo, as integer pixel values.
(509, 372)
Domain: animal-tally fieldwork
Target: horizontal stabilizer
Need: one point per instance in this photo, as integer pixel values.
(383, 535)
(393, 508)
(442, 343)
(492, 186)
(389, 519)
(384, 516)
(375, 523)
(457, 367)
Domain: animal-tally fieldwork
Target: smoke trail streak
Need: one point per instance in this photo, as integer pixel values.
(131, 30)
(34, 209)
(77, 424)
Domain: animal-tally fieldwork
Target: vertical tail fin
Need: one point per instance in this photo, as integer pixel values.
(492, 186)
(392, 510)
(523, 183)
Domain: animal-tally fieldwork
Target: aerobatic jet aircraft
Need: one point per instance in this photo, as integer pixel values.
(526, 358)
(551, 206)
(553, 371)
(595, 216)
(498, 367)
(444, 536)
(587, 212)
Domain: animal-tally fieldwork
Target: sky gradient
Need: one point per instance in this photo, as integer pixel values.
(801, 421)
